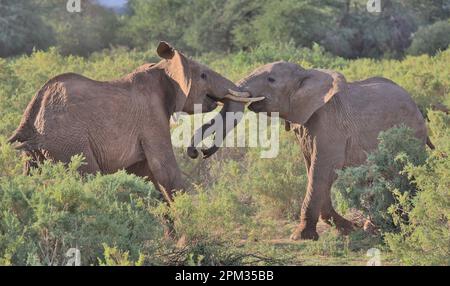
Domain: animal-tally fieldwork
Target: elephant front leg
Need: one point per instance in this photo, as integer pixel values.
(309, 215)
(319, 183)
(166, 176)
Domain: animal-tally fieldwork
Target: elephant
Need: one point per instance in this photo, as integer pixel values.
(123, 123)
(336, 123)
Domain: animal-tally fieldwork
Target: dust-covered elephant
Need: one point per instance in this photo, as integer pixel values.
(336, 122)
(124, 123)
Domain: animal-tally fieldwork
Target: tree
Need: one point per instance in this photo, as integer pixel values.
(359, 33)
(219, 26)
(430, 39)
(428, 11)
(304, 22)
(21, 29)
(152, 21)
(80, 33)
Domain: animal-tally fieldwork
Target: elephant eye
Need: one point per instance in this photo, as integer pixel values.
(271, 79)
(203, 75)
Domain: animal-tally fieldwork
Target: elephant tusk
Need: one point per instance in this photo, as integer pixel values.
(239, 93)
(243, 99)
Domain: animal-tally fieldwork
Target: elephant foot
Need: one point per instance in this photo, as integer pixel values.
(345, 227)
(304, 234)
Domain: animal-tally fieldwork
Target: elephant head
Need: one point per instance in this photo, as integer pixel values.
(295, 93)
(292, 91)
(196, 84)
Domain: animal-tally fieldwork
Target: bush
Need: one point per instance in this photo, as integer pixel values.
(44, 215)
(424, 238)
(431, 39)
(369, 187)
(278, 186)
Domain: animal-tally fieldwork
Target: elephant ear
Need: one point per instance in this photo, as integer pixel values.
(178, 69)
(317, 87)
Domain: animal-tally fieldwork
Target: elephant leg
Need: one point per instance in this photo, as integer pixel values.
(162, 164)
(329, 215)
(141, 169)
(91, 166)
(320, 179)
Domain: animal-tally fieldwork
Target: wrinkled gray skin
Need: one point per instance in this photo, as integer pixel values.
(208, 129)
(120, 124)
(337, 123)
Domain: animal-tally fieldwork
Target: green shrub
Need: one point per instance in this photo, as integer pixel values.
(44, 215)
(277, 186)
(424, 238)
(431, 39)
(369, 187)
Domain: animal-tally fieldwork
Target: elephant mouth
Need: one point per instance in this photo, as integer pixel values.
(210, 102)
(255, 106)
(213, 98)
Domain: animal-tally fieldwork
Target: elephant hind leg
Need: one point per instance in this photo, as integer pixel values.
(329, 215)
(142, 170)
(91, 166)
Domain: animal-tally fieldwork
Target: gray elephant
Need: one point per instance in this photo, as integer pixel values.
(124, 123)
(336, 122)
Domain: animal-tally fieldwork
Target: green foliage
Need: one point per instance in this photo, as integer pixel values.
(276, 186)
(345, 28)
(152, 21)
(216, 27)
(428, 11)
(115, 257)
(359, 33)
(424, 238)
(44, 215)
(21, 28)
(239, 203)
(369, 187)
(79, 33)
(216, 214)
(304, 22)
(431, 39)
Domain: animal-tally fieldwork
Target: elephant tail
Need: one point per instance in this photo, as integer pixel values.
(26, 134)
(430, 144)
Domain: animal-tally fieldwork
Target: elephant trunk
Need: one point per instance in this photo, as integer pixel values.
(219, 126)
